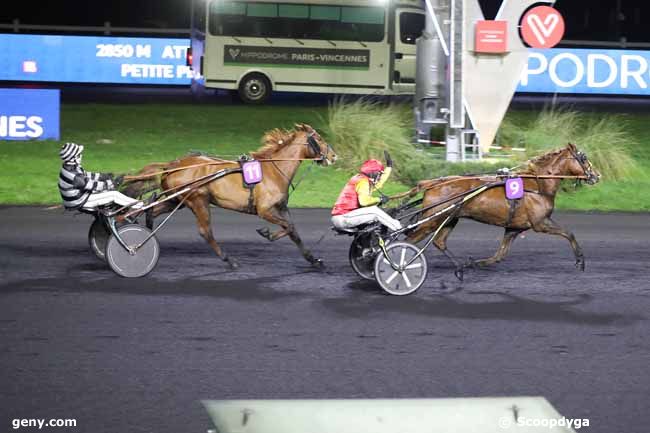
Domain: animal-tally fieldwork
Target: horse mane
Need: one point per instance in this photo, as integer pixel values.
(276, 139)
(533, 164)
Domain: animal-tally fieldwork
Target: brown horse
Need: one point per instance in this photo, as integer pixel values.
(280, 156)
(533, 211)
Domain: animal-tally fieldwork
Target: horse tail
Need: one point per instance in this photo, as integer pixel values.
(147, 180)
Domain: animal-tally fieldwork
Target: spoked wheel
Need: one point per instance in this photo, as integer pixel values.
(139, 261)
(408, 278)
(98, 238)
(363, 250)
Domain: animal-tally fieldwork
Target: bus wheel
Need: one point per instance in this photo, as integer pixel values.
(254, 89)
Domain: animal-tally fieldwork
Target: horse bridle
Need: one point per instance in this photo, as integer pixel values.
(313, 145)
(586, 166)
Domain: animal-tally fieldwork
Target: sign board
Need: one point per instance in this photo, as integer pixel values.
(94, 59)
(77, 59)
(490, 81)
(444, 415)
(542, 27)
(242, 55)
(587, 71)
(491, 37)
(29, 114)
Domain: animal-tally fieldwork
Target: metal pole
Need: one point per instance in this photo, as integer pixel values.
(454, 82)
(453, 145)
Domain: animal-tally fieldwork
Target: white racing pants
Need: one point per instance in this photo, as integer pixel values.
(365, 215)
(108, 197)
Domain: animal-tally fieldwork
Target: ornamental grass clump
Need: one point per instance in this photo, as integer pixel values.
(605, 139)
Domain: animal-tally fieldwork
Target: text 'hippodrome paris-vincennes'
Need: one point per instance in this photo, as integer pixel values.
(342, 58)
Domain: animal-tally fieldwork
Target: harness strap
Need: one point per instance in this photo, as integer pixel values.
(251, 200)
(293, 185)
(514, 204)
(544, 194)
(462, 195)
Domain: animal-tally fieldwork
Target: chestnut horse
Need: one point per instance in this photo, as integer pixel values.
(280, 156)
(533, 211)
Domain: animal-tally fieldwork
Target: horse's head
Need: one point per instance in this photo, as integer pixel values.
(316, 146)
(577, 164)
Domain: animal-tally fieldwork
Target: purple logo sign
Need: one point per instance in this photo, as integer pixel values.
(514, 188)
(252, 171)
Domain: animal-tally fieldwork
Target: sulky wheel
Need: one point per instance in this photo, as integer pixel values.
(98, 238)
(363, 250)
(408, 278)
(138, 262)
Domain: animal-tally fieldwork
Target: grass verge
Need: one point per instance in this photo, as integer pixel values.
(124, 138)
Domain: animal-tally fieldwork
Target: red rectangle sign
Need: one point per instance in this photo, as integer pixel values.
(491, 37)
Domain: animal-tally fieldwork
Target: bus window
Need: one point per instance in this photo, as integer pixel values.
(294, 11)
(269, 10)
(410, 27)
(332, 13)
(358, 15)
(296, 21)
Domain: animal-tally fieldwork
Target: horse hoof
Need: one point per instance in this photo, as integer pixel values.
(580, 264)
(470, 263)
(317, 263)
(264, 232)
(460, 274)
(234, 264)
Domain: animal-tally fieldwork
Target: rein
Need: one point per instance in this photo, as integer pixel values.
(546, 176)
(293, 186)
(207, 164)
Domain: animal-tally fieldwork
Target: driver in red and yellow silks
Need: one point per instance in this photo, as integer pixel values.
(357, 206)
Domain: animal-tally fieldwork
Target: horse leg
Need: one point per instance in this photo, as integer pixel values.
(550, 227)
(441, 243)
(509, 236)
(279, 215)
(200, 206)
(159, 209)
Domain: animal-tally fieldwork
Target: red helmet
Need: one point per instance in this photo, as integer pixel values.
(371, 166)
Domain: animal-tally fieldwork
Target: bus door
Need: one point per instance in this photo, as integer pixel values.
(409, 23)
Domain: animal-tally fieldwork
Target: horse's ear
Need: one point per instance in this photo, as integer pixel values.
(302, 127)
(572, 146)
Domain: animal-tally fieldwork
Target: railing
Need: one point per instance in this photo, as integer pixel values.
(16, 26)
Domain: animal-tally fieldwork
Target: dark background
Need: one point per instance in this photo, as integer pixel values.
(602, 20)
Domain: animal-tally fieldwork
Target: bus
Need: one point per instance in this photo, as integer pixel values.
(255, 47)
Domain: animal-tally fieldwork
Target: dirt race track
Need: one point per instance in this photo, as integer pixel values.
(122, 355)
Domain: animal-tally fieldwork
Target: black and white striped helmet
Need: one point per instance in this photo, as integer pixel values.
(70, 151)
